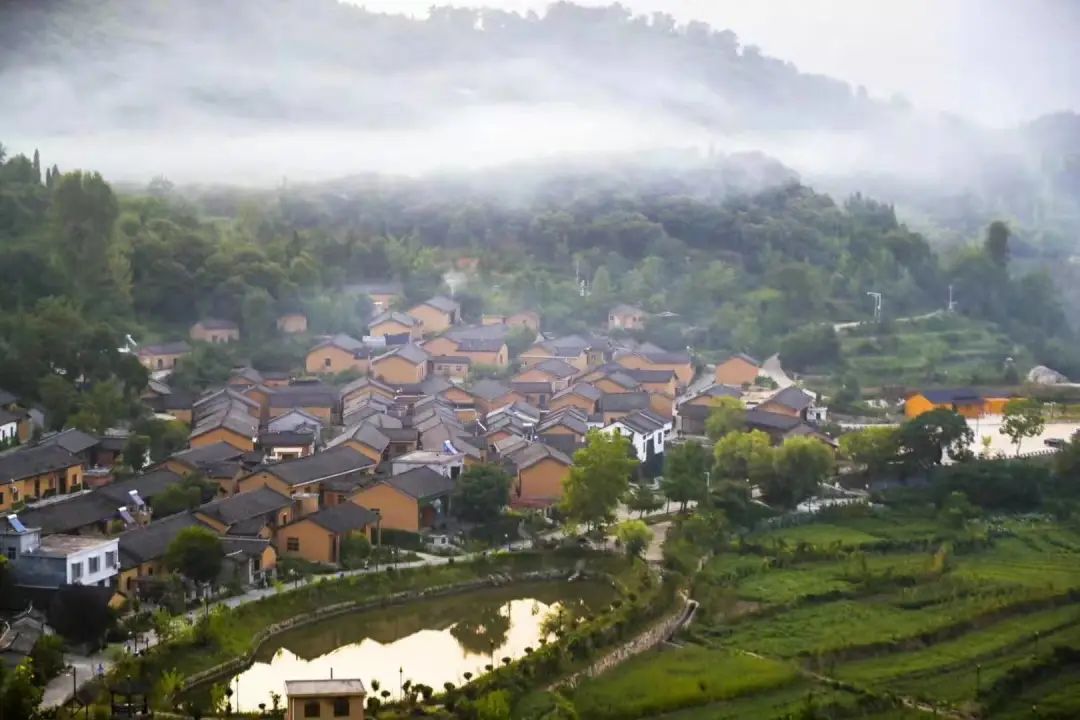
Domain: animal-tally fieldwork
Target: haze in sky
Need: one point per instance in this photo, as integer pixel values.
(997, 61)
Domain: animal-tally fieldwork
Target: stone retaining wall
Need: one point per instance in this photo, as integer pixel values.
(654, 636)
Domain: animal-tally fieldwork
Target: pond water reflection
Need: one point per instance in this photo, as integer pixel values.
(431, 642)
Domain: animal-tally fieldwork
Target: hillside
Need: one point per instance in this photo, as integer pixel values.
(316, 89)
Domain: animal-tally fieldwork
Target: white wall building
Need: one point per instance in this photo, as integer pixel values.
(55, 560)
(646, 431)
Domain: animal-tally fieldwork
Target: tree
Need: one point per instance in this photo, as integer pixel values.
(196, 554)
(635, 536)
(872, 450)
(801, 464)
(926, 439)
(58, 397)
(482, 492)
(996, 245)
(599, 478)
(744, 457)
(727, 415)
(192, 492)
(100, 408)
(1023, 418)
(257, 312)
(643, 500)
(48, 658)
(21, 696)
(135, 451)
(957, 510)
(685, 466)
(810, 346)
(493, 706)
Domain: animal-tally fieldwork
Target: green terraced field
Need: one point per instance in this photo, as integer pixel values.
(673, 679)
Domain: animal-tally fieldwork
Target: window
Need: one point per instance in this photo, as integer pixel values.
(341, 707)
(160, 363)
(76, 570)
(11, 553)
(93, 565)
(110, 559)
(326, 362)
(292, 544)
(311, 709)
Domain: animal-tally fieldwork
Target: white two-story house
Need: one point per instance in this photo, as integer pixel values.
(56, 560)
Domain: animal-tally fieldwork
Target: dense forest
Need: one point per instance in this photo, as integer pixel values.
(723, 264)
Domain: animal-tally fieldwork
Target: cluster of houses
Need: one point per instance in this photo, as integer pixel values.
(301, 463)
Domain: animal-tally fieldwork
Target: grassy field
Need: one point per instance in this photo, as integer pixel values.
(669, 680)
(852, 614)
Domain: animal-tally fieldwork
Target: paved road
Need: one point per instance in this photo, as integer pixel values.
(913, 318)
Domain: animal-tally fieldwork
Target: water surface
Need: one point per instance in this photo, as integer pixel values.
(431, 641)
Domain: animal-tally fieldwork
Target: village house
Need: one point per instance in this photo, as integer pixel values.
(795, 402)
(33, 473)
(436, 314)
(491, 394)
(582, 395)
(564, 429)
(363, 388)
(626, 317)
(365, 438)
(391, 323)
(646, 431)
(491, 352)
(404, 365)
(337, 354)
(162, 357)
(231, 423)
(739, 370)
(286, 444)
(295, 420)
(678, 362)
(453, 367)
(413, 500)
(382, 294)
(307, 475)
(9, 428)
(571, 349)
(318, 537)
(617, 405)
(215, 330)
(143, 548)
(539, 472)
(535, 393)
(524, 319)
(316, 699)
(557, 373)
(293, 323)
(693, 412)
(164, 400)
(969, 402)
(258, 513)
(52, 561)
(779, 427)
(218, 460)
(312, 398)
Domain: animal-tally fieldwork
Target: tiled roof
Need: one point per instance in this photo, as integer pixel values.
(72, 440)
(173, 348)
(443, 303)
(619, 402)
(411, 353)
(624, 309)
(791, 397)
(320, 466)
(343, 341)
(303, 395)
(480, 345)
(148, 485)
(531, 387)
(286, 438)
(365, 383)
(198, 457)
(393, 316)
(342, 518)
(364, 433)
(488, 389)
(746, 358)
(152, 541)
(649, 376)
(584, 389)
(556, 367)
(763, 419)
(31, 461)
(421, 483)
(534, 452)
(243, 506)
(217, 324)
(642, 421)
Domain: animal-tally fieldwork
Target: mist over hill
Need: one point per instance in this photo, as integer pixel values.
(253, 92)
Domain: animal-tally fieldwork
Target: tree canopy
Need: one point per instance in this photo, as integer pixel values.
(599, 478)
(196, 554)
(482, 492)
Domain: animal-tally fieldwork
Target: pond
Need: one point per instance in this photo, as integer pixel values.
(430, 641)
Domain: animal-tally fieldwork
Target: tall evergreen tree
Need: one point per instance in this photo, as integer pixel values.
(37, 165)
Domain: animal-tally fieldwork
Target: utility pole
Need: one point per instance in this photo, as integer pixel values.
(879, 299)
(952, 303)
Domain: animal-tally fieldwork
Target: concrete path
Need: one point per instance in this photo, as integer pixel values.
(773, 370)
